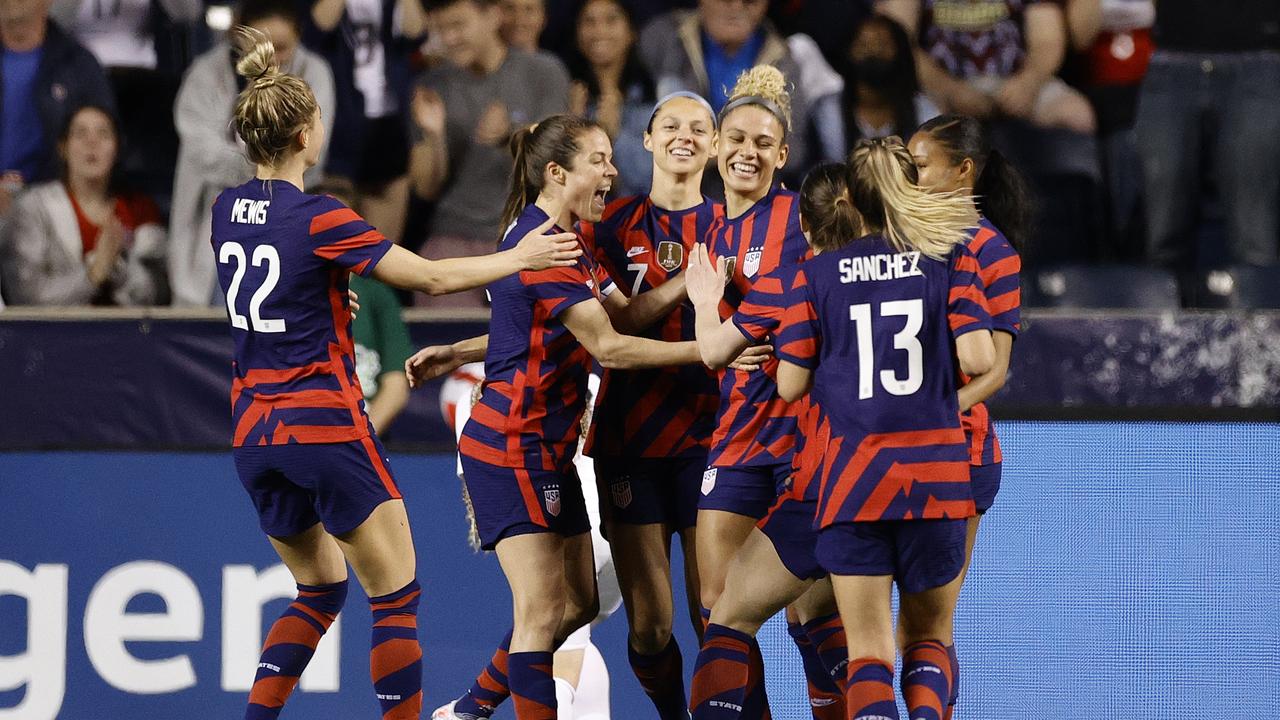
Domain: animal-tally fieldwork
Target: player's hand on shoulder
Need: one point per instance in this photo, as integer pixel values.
(429, 363)
(753, 358)
(703, 281)
(539, 251)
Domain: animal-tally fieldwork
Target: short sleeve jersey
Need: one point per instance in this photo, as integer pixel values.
(283, 260)
(974, 38)
(998, 266)
(535, 388)
(660, 412)
(754, 425)
(877, 327)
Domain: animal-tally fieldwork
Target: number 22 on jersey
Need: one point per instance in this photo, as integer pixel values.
(234, 252)
(906, 339)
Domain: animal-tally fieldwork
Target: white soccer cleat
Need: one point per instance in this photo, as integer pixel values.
(445, 712)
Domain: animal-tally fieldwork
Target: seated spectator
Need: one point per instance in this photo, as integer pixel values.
(79, 240)
(704, 50)
(988, 58)
(45, 74)
(1210, 105)
(368, 44)
(881, 96)
(522, 23)
(611, 86)
(144, 46)
(464, 112)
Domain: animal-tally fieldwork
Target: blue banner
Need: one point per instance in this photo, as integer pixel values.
(1127, 570)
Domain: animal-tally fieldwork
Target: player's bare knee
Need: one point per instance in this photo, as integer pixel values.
(650, 639)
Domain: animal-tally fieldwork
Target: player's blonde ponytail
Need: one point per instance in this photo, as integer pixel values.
(883, 185)
(274, 107)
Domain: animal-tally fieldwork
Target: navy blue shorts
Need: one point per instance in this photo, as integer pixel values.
(919, 554)
(985, 481)
(296, 486)
(515, 501)
(789, 526)
(642, 491)
(745, 489)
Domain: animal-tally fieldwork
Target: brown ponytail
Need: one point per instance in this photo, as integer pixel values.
(826, 209)
(554, 140)
(274, 107)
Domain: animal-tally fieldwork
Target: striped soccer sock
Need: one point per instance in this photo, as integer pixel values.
(289, 646)
(395, 657)
(491, 687)
(533, 688)
(826, 633)
(662, 677)
(721, 674)
(755, 706)
(926, 679)
(826, 699)
(870, 692)
(955, 681)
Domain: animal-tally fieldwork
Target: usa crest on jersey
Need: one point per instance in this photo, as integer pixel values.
(751, 263)
(552, 497)
(621, 493)
(670, 255)
(708, 481)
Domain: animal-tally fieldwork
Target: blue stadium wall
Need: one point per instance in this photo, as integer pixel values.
(1128, 570)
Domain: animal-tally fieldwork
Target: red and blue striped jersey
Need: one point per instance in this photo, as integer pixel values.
(754, 426)
(535, 371)
(998, 266)
(283, 259)
(877, 326)
(812, 432)
(660, 412)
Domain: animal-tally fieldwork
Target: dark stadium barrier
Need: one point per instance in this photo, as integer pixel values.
(161, 379)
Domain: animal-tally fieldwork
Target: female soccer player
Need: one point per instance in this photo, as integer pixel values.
(517, 448)
(303, 445)
(875, 336)
(751, 447)
(953, 155)
(776, 565)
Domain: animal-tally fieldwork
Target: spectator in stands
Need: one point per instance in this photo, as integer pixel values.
(210, 159)
(611, 86)
(881, 95)
(704, 50)
(144, 46)
(44, 74)
(522, 23)
(79, 240)
(368, 44)
(1212, 92)
(989, 58)
(464, 111)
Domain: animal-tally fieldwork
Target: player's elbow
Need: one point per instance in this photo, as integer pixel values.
(716, 357)
(611, 352)
(977, 359)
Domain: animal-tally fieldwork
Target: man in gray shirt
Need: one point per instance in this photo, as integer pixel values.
(464, 110)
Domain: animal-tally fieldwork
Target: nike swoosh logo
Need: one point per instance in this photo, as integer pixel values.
(636, 251)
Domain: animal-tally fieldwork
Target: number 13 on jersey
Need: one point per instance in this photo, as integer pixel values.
(906, 339)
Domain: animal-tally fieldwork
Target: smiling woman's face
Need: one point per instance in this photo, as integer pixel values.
(752, 148)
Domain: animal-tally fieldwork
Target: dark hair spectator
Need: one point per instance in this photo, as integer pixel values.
(210, 158)
(881, 95)
(1210, 106)
(46, 74)
(464, 111)
(611, 86)
(704, 50)
(80, 240)
(368, 45)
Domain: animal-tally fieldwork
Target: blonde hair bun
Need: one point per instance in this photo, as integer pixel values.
(257, 54)
(764, 81)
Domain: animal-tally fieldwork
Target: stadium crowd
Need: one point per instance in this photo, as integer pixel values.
(1151, 138)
